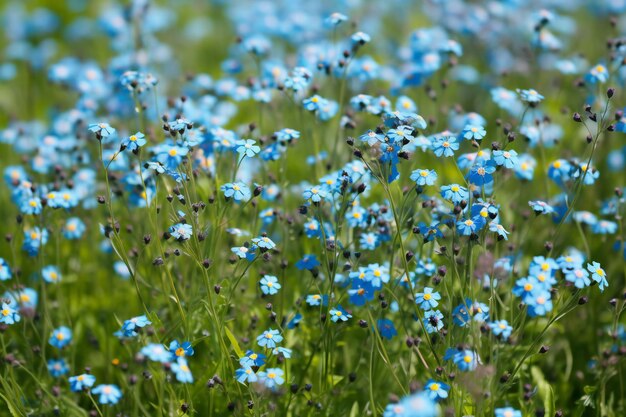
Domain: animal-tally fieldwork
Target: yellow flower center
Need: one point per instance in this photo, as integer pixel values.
(427, 297)
(173, 152)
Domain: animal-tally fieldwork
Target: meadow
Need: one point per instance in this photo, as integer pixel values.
(324, 208)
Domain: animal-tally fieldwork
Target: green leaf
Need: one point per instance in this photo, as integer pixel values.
(233, 341)
(14, 412)
(335, 379)
(354, 412)
(545, 390)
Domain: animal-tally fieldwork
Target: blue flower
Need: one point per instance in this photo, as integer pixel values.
(245, 374)
(74, 228)
(109, 394)
(313, 103)
(499, 229)
(134, 142)
(272, 377)
(5, 270)
(269, 285)
(524, 288)
(252, 359)
(181, 231)
(508, 159)
(315, 194)
(247, 148)
(282, 351)
(454, 193)
(81, 382)
(57, 367)
(369, 241)
(61, 337)
(243, 252)
(33, 239)
(51, 274)
(400, 134)
(386, 328)
(360, 38)
(428, 299)
(597, 74)
(525, 168)
(436, 390)
(335, 19)
(316, 299)
(541, 207)
(501, 328)
(579, 277)
(156, 352)
(530, 96)
(269, 338)
(361, 292)
(8, 315)
(431, 232)
(445, 146)
(424, 177)
(539, 302)
(307, 262)
(598, 274)
(339, 314)
(130, 326)
(507, 412)
(171, 156)
(238, 191)
(433, 321)
(182, 371)
(466, 227)
(264, 243)
(474, 132)
(181, 350)
(480, 173)
(102, 130)
(31, 205)
(465, 359)
(416, 405)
